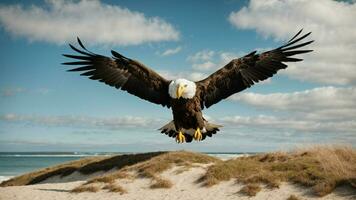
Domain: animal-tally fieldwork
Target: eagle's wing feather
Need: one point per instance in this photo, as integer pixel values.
(242, 73)
(122, 73)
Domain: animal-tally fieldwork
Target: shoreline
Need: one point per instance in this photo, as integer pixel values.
(5, 178)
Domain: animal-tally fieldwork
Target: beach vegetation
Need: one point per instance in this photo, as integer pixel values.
(293, 197)
(161, 183)
(112, 187)
(250, 189)
(322, 168)
(86, 188)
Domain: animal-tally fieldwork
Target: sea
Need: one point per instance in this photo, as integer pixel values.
(17, 163)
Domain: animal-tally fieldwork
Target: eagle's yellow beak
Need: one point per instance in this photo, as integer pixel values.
(180, 91)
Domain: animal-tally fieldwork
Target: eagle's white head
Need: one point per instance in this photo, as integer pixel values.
(182, 88)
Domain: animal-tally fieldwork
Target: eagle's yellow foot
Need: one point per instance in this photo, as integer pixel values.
(180, 138)
(197, 135)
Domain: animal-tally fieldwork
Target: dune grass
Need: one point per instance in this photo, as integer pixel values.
(110, 178)
(322, 168)
(293, 197)
(85, 188)
(161, 183)
(251, 189)
(115, 188)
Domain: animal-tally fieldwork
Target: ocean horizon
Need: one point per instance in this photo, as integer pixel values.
(17, 163)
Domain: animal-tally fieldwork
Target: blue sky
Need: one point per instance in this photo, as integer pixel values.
(44, 108)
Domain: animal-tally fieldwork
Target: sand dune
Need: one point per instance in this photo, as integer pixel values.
(172, 175)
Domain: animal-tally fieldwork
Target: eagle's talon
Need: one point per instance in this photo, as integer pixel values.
(180, 138)
(197, 135)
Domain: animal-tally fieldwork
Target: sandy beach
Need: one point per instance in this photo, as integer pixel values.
(184, 183)
(184, 188)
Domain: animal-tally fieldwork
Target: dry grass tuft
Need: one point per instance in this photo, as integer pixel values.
(161, 183)
(115, 188)
(110, 178)
(86, 188)
(293, 197)
(185, 168)
(251, 189)
(322, 168)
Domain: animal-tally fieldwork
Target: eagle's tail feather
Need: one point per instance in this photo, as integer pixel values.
(170, 130)
(211, 129)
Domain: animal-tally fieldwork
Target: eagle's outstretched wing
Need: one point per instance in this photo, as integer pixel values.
(122, 73)
(242, 73)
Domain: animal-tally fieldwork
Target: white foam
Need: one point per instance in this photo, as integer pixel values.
(4, 178)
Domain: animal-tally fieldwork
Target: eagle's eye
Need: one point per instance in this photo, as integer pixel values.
(185, 85)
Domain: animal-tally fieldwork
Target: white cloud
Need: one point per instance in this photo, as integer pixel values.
(324, 103)
(60, 21)
(201, 56)
(323, 97)
(204, 66)
(169, 52)
(203, 63)
(208, 60)
(82, 121)
(282, 124)
(189, 75)
(332, 23)
(11, 91)
(204, 60)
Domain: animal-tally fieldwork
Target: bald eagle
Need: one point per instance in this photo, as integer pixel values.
(186, 98)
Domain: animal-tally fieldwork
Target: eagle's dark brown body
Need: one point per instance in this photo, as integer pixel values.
(187, 113)
(137, 79)
(187, 117)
